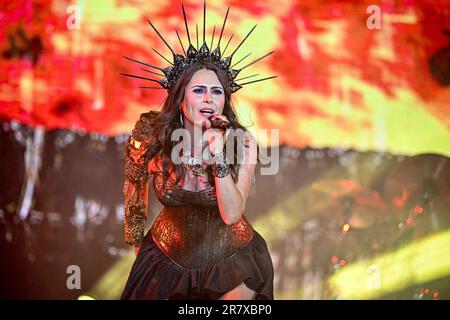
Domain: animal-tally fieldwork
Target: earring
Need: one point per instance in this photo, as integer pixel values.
(181, 118)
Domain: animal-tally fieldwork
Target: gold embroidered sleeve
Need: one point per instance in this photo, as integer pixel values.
(135, 188)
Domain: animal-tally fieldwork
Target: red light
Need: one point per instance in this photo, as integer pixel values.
(400, 202)
(418, 210)
(409, 220)
(334, 260)
(342, 262)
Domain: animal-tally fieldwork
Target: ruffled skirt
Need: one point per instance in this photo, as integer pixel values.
(155, 276)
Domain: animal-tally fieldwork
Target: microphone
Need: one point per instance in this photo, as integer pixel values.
(219, 123)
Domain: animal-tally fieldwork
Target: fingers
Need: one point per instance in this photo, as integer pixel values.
(206, 124)
(220, 116)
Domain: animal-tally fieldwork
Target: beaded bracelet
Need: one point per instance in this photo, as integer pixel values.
(219, 158)
(220, 170)
(219, 167)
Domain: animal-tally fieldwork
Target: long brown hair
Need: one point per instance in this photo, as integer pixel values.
(168, 119)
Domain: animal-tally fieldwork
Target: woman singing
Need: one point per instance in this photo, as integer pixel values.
(201, 245)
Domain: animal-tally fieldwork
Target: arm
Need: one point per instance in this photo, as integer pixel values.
(135, 188)
(134, 230)
(232, 197)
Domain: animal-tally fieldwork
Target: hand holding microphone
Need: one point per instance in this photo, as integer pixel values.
(219, 123)
(216, 121)
(216, 137)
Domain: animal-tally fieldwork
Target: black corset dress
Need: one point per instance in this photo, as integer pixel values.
(190, 253)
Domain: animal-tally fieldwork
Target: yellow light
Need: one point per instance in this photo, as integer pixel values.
(112, 282)
(416, 263)
(86, 297)
(346, 227)
(135, 143)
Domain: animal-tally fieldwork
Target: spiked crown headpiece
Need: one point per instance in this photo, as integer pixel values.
(194, 55)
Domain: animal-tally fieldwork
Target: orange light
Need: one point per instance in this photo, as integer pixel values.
(345, 227)
(418, 210)
(400, 202)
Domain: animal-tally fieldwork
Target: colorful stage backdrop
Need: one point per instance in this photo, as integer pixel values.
(361, 102)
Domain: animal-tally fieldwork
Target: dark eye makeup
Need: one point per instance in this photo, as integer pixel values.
(201, 90)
